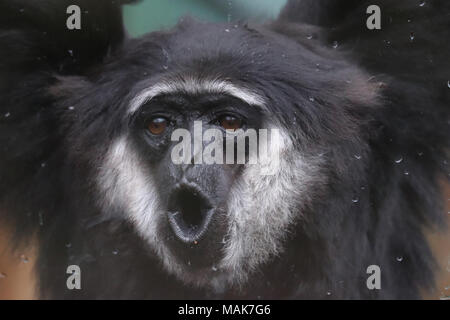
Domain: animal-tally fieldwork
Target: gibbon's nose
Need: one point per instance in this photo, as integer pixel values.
(190, 213)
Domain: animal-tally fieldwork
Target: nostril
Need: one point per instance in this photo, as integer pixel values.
(189, 213)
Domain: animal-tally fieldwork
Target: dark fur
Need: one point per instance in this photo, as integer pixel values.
(49, 152)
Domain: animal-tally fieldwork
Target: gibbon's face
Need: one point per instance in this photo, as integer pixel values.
(214, 223)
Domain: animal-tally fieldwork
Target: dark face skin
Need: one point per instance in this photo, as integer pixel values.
(194, 195)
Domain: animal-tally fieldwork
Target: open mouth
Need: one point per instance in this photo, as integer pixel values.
(189, 214)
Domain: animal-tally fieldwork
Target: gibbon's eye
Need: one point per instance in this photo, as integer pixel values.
(229, 122)
(157, 125)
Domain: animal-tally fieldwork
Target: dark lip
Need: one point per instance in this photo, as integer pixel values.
(188, 234)
(197, 250)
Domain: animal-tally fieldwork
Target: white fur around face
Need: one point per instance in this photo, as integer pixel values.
(193, 85)
(126, 186)
(261, 207)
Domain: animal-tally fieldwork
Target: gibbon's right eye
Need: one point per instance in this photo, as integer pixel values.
(157, 125)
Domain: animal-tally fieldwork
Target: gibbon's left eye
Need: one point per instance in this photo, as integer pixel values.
(157, 125)
(229, 122)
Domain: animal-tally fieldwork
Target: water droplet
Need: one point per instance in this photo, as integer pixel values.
(357, 157)
(115, 252)
(311, 99)
(406, 173)
(309, 36)
(335, 44)
(328, 293)
(189, 263)
(422, 3)
(227, 30)
(41, 219)
(448, 83)
(68, 245)
(230, 7)
(411, 37)
(224, 241)
(355, 200)
(420, 154)
(399, 160)
(24, 258)
(21, 10)
(43, 165)
(165, 67)
(195, 242)
(71, 108)
(387, 42)
(2, 275)
(70, 52)
(399, 258)
(214, 269)
(7, 115)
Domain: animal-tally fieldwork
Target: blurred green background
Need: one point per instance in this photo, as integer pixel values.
(150, 15)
